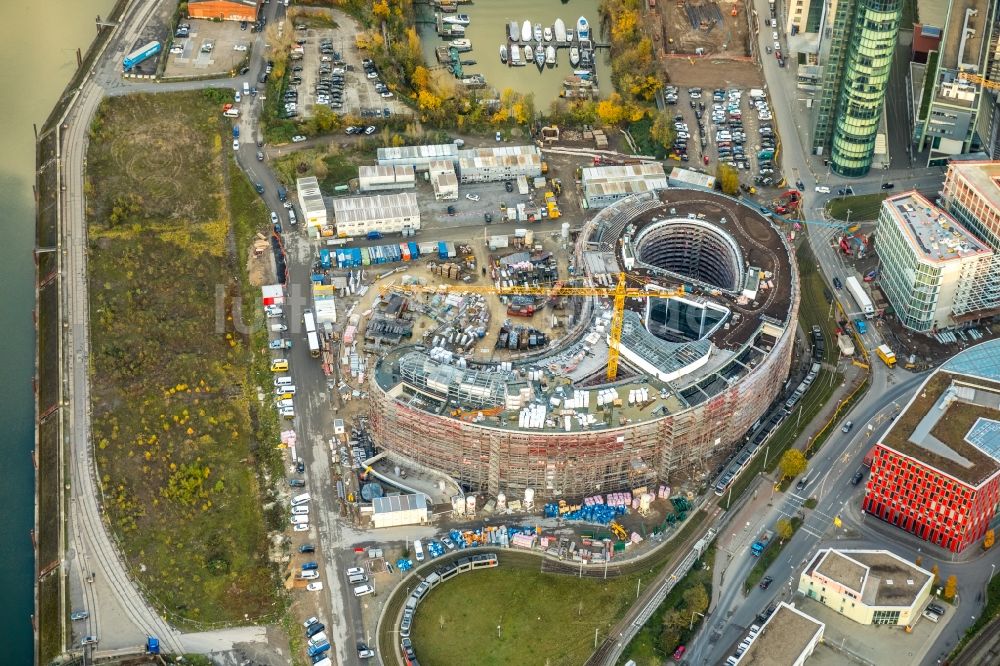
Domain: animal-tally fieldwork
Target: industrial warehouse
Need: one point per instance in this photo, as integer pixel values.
(706, 341)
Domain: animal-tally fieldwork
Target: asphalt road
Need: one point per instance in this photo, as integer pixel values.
(830, 471)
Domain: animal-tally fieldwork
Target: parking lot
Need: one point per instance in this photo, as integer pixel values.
(716, 125)
(329, 56)
(211, 48)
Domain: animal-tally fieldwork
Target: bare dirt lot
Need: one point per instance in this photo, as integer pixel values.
(224, 38)
(686, 27)
(716, 72)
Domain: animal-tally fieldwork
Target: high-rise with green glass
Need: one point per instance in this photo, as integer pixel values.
(855, 78)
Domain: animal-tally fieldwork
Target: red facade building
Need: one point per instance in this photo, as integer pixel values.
(935, 472)
(937, 507)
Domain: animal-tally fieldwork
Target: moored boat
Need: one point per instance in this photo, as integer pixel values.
(512, 31)
(526, 31)
(582, 28)
(569, 34)
(550, 55)
(539, 56)
(462, 45)
(538, 32)
(453, 30)
(547, 34)
(503, 53)
(560, 29)
(515, 56)
(529, 53)
(574, 56)
(457, 19)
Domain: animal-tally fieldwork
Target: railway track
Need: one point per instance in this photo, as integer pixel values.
(984, 648)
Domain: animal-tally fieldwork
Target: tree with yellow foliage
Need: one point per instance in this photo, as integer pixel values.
(428, 101)
(380, 8)
(421, 78)
(611, 111)
(988, 539)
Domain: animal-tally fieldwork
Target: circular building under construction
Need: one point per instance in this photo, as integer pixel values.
(706, 340)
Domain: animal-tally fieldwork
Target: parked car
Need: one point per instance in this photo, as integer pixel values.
(370, 129)
(766, 582)
(315, 629)
(310, 622)
(888, 186)
(298, 138)
(307, 548)
(316, 586)
(296, 483)
(76, 616)
(472, 197)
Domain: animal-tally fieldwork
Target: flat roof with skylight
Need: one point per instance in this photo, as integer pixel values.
(879, 577)
(934, 234)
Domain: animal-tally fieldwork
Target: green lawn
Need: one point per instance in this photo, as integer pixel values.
(862, 206)
(543, 618)
(178, 446)
(330, 168)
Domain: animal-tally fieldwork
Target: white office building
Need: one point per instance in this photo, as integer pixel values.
(313, 206)
(385, 213)
(933, 268)
(443, 180)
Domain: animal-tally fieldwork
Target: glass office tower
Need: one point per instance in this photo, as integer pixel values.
(855, 80)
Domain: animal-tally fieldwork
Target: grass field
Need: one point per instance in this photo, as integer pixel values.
(331, 169)
(171, 384)
(549, 617)
(862, 206)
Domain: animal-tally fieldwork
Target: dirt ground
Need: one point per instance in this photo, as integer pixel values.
(721, 72)
(670, 26)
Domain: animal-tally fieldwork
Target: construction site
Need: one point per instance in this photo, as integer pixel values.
(638, 353)
(699, 27)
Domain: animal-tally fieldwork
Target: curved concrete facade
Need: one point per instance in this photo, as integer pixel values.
(681, 445)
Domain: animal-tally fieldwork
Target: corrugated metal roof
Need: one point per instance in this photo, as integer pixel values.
(395, 503)
(379, 207)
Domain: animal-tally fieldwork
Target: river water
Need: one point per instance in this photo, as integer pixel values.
(38, 42)
(488, 30)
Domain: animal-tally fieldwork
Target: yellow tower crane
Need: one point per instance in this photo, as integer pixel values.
(981, 80)
(619, 293)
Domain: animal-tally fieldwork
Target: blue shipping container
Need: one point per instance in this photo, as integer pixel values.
(442, 250)
(414, 250)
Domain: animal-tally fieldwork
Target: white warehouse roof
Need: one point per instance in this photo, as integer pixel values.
(355, 210)
(394, 503)
(623, 180)
(439, 151)
(310, 197)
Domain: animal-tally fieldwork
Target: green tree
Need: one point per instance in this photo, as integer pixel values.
(662, 131)
(729, 179)
(784, 529)
(695, 600)
(793, 463)
(670, 632)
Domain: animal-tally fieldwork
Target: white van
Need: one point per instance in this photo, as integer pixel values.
(301, 499)
(300, 520)
(246, 88)
(300, 510)
(418, 549)
(357, 579)
(283, 381)
(362, 590)
(355, 571)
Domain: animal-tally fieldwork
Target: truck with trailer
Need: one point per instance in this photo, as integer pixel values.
(140, 54)
(887, 355)
(860, 297)
(761, 544)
